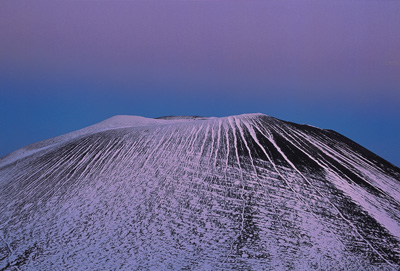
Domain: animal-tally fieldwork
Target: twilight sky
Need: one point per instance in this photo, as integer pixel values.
(333, 64)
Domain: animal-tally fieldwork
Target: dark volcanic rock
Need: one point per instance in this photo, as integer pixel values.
(247, 192)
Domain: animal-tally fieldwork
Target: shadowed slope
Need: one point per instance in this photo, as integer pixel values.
(246, 192)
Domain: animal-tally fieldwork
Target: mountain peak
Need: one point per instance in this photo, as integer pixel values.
(182, 118)
(245, 192)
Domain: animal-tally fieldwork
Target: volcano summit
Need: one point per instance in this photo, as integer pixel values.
(248, 192)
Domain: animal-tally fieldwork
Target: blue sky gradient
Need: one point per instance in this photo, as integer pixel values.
(331, 64)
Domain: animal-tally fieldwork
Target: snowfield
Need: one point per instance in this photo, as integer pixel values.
(247, 192)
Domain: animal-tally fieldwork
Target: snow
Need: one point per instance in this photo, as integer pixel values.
(132, 193)
(115, 122)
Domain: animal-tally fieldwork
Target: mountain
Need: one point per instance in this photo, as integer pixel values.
(247, 192)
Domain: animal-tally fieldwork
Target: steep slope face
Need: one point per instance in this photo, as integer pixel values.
(246, 192)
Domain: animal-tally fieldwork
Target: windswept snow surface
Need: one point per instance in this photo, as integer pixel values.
(120, 121)
(246, 192)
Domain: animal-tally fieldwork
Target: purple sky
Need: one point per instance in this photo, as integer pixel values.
(333, 64)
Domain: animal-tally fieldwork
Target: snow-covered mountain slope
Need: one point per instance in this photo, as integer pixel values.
(246, 192)
(108, 124)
